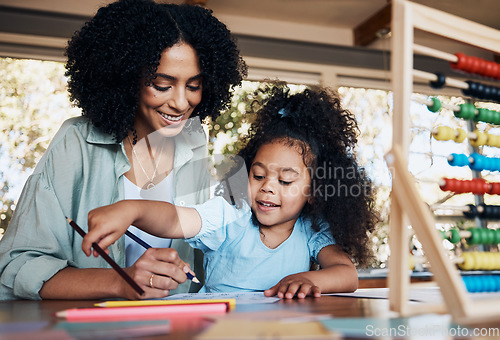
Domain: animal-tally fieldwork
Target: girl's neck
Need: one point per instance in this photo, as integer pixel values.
(274, 236)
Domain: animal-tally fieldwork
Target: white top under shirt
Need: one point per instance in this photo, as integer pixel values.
(160, 192)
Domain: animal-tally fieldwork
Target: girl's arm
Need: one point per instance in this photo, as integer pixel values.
(337, 274)
(107, 224)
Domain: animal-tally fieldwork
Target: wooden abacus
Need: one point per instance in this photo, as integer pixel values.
(406, 204)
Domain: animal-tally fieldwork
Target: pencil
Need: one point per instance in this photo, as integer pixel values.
(231, 303)
(140, 312)
(108, 259)
(147, 246)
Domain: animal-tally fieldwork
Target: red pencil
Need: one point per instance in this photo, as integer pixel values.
(140, 313)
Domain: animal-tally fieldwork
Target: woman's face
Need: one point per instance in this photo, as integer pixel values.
(173, 95)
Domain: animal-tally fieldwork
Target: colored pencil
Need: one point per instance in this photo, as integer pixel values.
(147, 246)
(231, 303)
(140, 312)
(108, 259)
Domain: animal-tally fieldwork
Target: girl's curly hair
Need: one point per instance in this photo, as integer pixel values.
(314, 123)
(122, 45)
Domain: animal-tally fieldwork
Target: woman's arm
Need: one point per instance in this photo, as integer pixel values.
(99, 283)
(107, 224)
(338, 274)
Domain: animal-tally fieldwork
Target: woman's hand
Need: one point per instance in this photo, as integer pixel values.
(291, 285)
(157, 271)
(107, 224)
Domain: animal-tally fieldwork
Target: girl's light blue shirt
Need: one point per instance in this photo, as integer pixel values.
(235, 259)
(83, 169)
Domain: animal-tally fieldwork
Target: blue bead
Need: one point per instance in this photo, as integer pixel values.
(456, 159)
(477, 161)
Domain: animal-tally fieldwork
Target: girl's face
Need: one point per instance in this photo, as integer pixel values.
(173, 94)
(279, 185)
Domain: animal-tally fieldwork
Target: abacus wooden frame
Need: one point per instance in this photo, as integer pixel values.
(406, 202)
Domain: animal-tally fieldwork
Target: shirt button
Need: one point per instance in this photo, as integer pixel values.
(182, 203)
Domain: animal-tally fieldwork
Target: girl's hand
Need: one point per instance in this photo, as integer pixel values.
(107, 224)
(161, 267)
(296, 284)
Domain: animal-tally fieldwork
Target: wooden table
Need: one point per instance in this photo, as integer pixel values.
(29, 312)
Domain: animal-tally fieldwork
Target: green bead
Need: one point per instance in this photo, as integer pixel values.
(436, 105)
(486, 115)
(490, 116)
(467, 111)
(497, 236)
(489, 236)
(496, 117)
(455, 236)
(475, 236)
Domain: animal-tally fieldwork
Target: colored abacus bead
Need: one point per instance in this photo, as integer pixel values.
(494, 188)
(480, 139)
(493, 140)
(460, 63)
(480, 261)
(482, 283)
(478, 186)
(497, 236)
(477, 161)
(484, 115)
(439, 82)
(472, 212)
(491, 212)
(460, 136)
(448, 184)
(475, 237)
(435, 106)
(468, 262)
(443, 133)
(489, 237)
(456, 159)
(467, 111)
(455, 236)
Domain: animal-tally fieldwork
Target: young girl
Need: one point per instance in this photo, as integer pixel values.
(307, 199)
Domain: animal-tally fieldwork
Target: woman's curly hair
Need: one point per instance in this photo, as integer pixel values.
(122, 45)
(314, 123)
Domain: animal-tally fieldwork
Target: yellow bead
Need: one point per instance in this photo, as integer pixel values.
(478, 260)
(460, 135)
(480, 139)
(493, 140)
(444, 133)
(468, 261)
(497, 262)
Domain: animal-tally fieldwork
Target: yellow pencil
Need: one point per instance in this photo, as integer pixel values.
(231, 303)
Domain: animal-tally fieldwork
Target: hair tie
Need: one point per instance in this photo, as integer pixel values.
(283, 113)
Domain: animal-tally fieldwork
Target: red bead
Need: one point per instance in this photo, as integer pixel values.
(461, 187)
(489, 70)
(460, 62)
(483, 65)
(494, 189)
(495, 73)
(474, 65)
(479, 186)
(447, 184)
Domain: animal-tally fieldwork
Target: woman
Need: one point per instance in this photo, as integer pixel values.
(138, 70)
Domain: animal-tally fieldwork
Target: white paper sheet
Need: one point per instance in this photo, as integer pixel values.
(241, 298)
